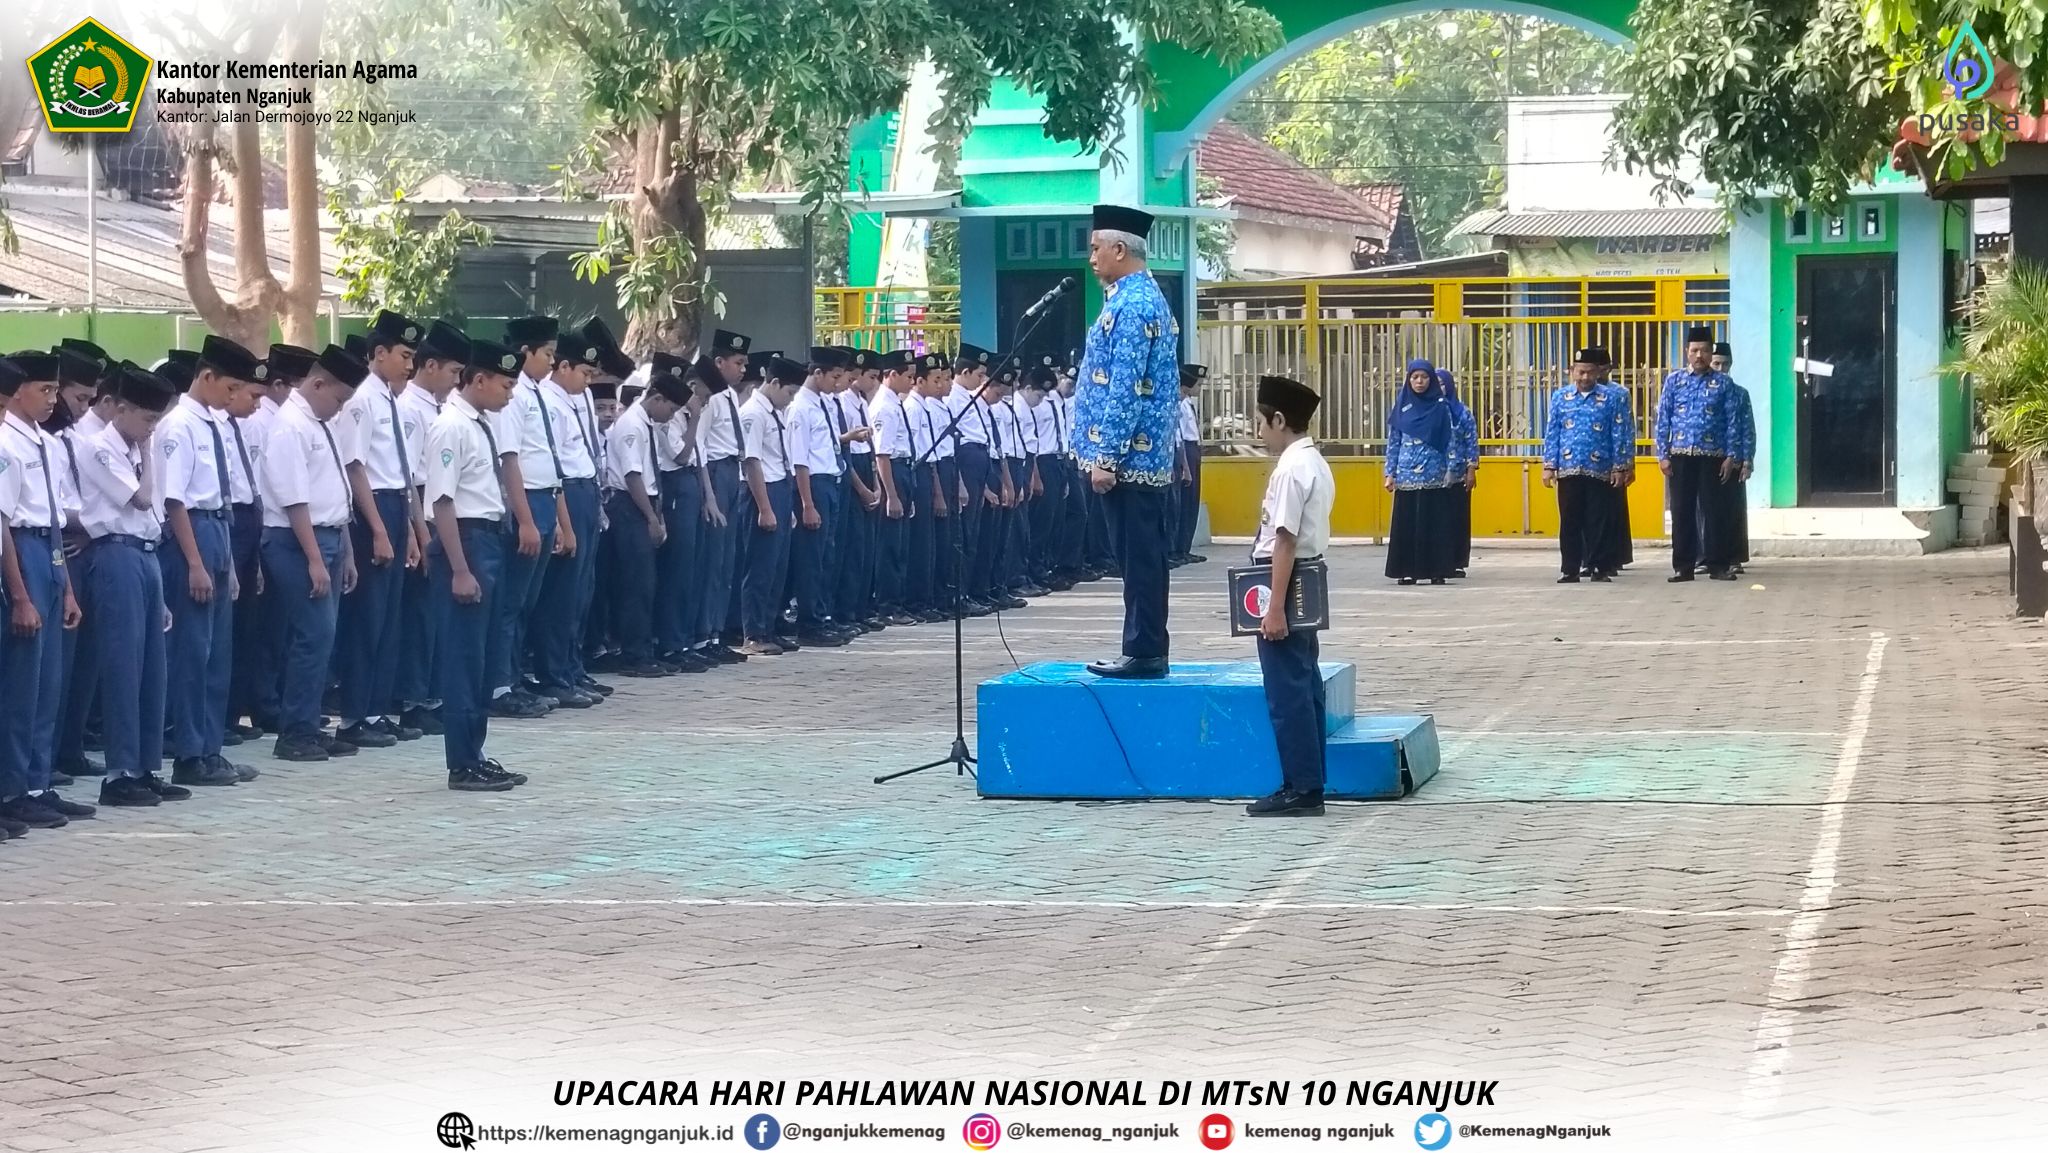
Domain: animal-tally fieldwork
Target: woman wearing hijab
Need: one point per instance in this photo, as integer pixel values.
(1465, 474)
(1423, 457)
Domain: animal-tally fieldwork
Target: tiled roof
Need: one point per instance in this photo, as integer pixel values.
(1261, 180)
(1607, 222)
(1385, 196)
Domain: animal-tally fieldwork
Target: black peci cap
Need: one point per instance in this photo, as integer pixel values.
(35, 365)
(443, 342)
(489, 356)
(1590, 354)
(1723, 348)
(1192, 375)
(669, 376)
(391, 328)
(343, 365)
(88, 349)
(11, 377)
(226, 358)
(1290, 398)
(178, 366)
(724, 343)
(1117, 218)
(783, 370)
(604, 390)
(1699, 334)
(289, 363)
(931, 362)
(898, 361)
(142, 388)
(531, 331)
(828, 356)
(75, 367)
(974, 356)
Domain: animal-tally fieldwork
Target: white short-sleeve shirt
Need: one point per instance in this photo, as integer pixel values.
(462, 465)
(302, 465)
(892, 424)
(627, 452)
(186, 440)
(535, 431)
(1299, 496)
(854, 412)
(418, 410)
(572, 432)
(110, 472)
(813, 443)
(1190, 429)
(32, 493)
(767, 437)
(371, 424)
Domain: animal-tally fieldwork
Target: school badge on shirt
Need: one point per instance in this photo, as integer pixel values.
(447, 456)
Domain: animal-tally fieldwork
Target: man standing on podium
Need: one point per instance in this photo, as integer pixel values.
(1126, 423)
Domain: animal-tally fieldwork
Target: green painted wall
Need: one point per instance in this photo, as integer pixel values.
(1956, 401)
(872, 149)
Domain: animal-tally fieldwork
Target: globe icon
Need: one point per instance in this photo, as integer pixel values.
(456, 1131)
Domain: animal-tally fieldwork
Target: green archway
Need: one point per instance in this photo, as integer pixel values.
(1196, 91)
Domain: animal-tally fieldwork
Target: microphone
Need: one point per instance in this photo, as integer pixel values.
(1044, 302)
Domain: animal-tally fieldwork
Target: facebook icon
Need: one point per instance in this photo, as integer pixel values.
(762, 1131)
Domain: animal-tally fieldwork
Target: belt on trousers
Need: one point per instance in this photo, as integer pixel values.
(549, 491)
(479, 522)
(387, 492)
(208, 513)
(37, 530)
(135, 542)
(330, 528)
(579, 481)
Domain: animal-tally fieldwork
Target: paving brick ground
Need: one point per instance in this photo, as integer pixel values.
(1624, 898)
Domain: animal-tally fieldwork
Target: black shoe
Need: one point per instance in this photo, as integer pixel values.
(819, 639)
(1131, 668)
(1033, 590)
(605, 662)
(1436, 580)
(1570, 578)
(514, 707)
(1721, 575)
(900, 619)
(165, 790)
(726, 654)
(571, 698)
(639, 671)
(975, 608)
(788, 642)
(28, 811)
(1406, 581)
(478, 779)
(1174, 562)
(201, 771)
(335, 746)
(590, 684)
(1060, 584)
(128, 793)
(395, 730)
(689, 663)
(1601, 578)
(365, 736)
(246, 732)
(1457, 574)
(1678, 578)
(1197, 558)
(60, 780)
(230, 738)
(532, 699)
(10, 829)
(301, 749)
(425, 721)
(1088, 576)
(932, 616)
(82, 767)
(243, 773)
(49, 799)
(1700, 568)
(1287, 803)
(267, 724)
(495, 767)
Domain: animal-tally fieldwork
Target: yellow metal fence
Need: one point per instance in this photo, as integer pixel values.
(889, 318)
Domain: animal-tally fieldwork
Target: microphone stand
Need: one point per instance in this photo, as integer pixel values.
(958, 756)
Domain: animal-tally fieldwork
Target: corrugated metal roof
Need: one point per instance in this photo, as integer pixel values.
(1609, 222)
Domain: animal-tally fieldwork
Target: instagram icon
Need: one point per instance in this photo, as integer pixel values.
(982, 1132)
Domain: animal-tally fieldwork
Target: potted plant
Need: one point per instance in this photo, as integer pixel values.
(2006, 356)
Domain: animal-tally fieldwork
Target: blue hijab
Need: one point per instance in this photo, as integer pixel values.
(1427, 417)
(1449, 384)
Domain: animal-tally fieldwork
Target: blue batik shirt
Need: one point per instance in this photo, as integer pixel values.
(1625, 406)
(1585, 431)
(1741, 425)
(1412, 463)
(1464, 441)
(1127, 407)
(1693, 415)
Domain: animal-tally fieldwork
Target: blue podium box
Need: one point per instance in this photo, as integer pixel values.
(1380, 758)
(1054, 731)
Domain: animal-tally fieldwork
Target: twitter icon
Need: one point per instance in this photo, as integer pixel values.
(1432, 1130)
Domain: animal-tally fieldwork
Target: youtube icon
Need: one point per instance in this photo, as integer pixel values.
(1216, 1131)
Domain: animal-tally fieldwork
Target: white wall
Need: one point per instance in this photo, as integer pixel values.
(1269, 250)
(1557, 151)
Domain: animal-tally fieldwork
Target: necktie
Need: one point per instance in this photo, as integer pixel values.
(49, 486)
(837, 421)
(242, 448)
(583, 414)
(547, 429)
(931, 432)
(398, 431)
(492, 441)
(781, 435)
(339, 471)
(994, 430)
(1059, 428)
(220, 461)
(71, 451)
(735, 407)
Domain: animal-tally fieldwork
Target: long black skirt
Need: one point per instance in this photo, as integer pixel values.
(1422, 542)
(1461, 525)
(1621, 547)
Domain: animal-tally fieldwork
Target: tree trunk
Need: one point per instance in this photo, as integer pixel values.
(300, 299)
(665, 205)
(243, 321)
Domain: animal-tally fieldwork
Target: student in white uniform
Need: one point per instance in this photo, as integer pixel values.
(815, 459)
(85, 393)
(860, 510)
(309, 560)
(198, 563)
(1294, 526)
(633, 482)
(767, 512)
(939, 556)
(37, 596)
(437, 366)
(720, 456)
(1048, 474)
(1188, 472)
(894, 470)
(557, 615)
(123, 514)
(526, 435)
(465, 488)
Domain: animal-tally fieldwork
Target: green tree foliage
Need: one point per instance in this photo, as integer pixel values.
(1421, 100)
(2007, 357)
(1917, 36)
(390, 260)
(692, 95)
(1805, 96)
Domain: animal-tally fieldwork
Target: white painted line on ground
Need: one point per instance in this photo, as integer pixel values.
(1290, 885)
(1575, 734)
(1772, 1051)
(829, 904)
(1243, 643)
